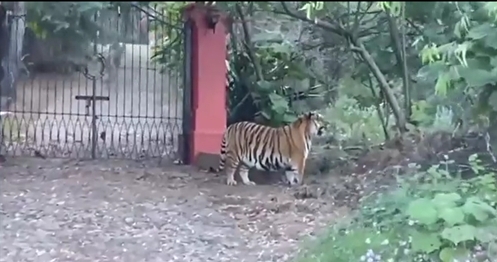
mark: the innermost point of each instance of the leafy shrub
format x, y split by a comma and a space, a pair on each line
354, 123
430, 216
441, 119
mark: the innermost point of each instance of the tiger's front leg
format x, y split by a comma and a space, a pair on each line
244, 174
301, 169
295, 175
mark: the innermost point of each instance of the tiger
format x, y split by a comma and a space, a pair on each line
251, 145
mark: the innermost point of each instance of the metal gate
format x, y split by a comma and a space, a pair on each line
116, 92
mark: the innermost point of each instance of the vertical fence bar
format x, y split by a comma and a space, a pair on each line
4, 49
94, 136
187, 90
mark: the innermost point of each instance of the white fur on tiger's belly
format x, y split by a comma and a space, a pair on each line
257, 165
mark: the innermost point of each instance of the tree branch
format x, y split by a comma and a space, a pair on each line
251, 53
399, 51
154, 16
358, 47
339, 30
356, 18
384, 86
318, 22
394, 37
248, 43
378, 107
405, 69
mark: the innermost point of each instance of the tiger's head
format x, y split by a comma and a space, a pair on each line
314, 123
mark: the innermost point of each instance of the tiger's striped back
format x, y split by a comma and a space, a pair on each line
248, 145
262, 147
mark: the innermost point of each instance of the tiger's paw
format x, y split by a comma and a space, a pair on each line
250, 183
231, 182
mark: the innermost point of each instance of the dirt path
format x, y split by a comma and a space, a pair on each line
60, 210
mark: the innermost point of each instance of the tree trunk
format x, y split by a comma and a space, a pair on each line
11, 63
4, 45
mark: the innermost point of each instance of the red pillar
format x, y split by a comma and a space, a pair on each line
208, 81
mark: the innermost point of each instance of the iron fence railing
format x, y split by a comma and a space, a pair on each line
115, 96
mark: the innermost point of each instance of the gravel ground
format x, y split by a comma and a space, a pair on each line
61, 210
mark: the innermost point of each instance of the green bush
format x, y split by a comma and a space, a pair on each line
430, 216
353, 123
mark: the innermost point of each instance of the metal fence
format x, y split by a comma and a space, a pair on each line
116, 94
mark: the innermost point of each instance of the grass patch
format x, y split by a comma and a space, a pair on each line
430, 216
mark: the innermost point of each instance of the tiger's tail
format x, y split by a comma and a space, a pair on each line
222, 156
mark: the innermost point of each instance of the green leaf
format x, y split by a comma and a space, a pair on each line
451, 215
492, 249
266, 114
443, 83
425, 242
429, 54
487, 234
281, 48
61, 25
477, 77
460, 52
289, 118
472, 157
480, 210
264, 85
279, 103
449, 254
458, 234
423, 211
480, 31
442, 200
266, 37
454, 72
492, 100
491, 39
493, 61
307, 8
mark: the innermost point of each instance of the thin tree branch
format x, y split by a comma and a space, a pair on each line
399, 51
318, 22
384, 86
248, 43
378, 107
155, 17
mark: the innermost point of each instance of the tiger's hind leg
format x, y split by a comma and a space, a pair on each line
231, 176
230, 170
244, 174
